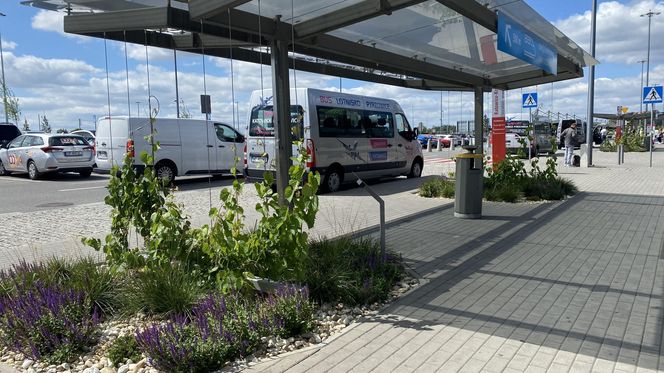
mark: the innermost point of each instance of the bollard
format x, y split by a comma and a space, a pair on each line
429, 145
440, 145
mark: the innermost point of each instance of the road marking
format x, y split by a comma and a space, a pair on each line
76, 189
9, 178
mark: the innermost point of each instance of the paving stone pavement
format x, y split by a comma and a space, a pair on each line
572, 286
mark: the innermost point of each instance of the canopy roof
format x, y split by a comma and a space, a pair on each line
434, 44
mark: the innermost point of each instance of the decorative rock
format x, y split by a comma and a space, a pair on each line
317, 339
139, 365
299, 344
89, 363
27, 363
123, 369
108, 370
30, 370
91, 370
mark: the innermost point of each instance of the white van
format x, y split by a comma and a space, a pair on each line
343, 134
187, 146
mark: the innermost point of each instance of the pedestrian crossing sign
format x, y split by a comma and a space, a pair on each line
652, 95
529, 100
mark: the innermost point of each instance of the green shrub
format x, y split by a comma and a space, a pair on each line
509, 193
224, 252
437, 187
608, 146
164, 290
351, 271
567, 186
123, 348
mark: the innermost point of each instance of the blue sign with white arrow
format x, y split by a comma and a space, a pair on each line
529, 100
515, 40
652, 95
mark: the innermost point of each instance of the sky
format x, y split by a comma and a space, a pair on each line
64, 77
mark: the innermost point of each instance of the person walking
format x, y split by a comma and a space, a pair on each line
569, 136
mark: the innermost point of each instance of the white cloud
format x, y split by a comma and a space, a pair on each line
622, 33
51, 21
8, 45
137, 52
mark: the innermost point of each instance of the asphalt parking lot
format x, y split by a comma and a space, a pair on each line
20, 194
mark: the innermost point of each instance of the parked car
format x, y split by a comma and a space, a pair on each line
8, 132
424, 140
446, 140
37, 154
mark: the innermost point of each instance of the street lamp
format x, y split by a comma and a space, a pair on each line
649, 14
4, 83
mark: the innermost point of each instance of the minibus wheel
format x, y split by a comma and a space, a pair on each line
415, 169
333, 179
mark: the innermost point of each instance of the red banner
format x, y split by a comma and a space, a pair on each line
498, 126
497, 139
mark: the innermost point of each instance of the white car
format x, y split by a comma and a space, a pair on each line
40, 153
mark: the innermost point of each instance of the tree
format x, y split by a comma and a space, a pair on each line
45, 127
26, 125
11, 107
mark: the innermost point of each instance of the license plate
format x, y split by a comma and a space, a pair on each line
258, 159
73, 154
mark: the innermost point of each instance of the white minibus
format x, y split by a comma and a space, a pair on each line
187, 146
344, 134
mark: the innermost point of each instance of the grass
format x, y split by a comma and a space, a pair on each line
351, 271
437, 187
164, 291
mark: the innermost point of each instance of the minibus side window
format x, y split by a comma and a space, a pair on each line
378, 124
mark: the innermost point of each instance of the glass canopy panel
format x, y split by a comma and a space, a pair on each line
86, 6
302, 9
436, 34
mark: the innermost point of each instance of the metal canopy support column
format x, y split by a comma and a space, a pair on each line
479, 119
282, 116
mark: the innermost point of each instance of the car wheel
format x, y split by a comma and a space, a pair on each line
3, 170
415, 170
85, 173
333, 179
165, 172
33, 172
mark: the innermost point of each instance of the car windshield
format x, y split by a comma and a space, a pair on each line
66, 141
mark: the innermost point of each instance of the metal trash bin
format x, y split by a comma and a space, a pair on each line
468, 190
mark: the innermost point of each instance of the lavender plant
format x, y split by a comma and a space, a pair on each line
222, 328
47, 322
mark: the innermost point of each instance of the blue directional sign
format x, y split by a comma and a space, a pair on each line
515, 40
652, 95
529, 100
